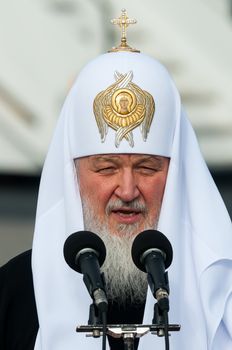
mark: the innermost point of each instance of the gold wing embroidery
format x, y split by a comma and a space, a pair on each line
105, 113
150, 110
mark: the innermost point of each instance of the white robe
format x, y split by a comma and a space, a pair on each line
193, 217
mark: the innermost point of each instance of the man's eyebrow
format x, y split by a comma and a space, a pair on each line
104, 158
151, 158
139, 158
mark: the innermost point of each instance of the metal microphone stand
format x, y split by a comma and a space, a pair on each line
127, 331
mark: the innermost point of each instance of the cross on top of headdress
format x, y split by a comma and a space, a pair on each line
123, 22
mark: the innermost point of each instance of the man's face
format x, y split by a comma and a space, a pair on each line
124, 191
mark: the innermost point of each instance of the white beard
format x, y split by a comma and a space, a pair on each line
124, 282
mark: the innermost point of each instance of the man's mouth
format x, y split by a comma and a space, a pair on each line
126, 215
126, 212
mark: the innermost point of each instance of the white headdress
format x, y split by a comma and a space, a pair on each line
192, 216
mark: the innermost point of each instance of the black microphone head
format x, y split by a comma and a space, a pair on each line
147, 240
82, 240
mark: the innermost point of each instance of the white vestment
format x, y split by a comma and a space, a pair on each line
193, 217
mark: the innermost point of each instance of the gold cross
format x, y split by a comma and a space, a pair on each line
123, 22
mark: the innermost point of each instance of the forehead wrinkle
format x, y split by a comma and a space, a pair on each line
104, 157
134, 159
95, 160
118, 156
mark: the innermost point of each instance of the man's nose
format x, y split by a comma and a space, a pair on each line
127, 188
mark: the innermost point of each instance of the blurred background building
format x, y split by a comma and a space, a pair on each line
44, 44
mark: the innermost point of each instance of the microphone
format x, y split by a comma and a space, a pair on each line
85, 252
152, 253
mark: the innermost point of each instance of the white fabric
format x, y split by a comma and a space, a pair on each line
193, 217
99, 75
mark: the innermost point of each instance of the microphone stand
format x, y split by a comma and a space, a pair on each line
95, 321
160, 325
161, 307
128, 341
127, 331
159, 319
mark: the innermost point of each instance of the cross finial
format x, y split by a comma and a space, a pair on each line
123, 22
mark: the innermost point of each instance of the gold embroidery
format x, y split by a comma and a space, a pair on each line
123, 106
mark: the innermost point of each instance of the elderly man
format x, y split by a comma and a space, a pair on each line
123, 159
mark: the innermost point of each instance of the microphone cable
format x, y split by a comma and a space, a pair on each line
104, 329
166, 335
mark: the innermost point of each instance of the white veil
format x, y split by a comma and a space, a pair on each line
192, 216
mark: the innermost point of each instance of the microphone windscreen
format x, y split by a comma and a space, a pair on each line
81, 240
147, 240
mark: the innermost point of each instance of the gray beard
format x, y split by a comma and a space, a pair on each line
124, 282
